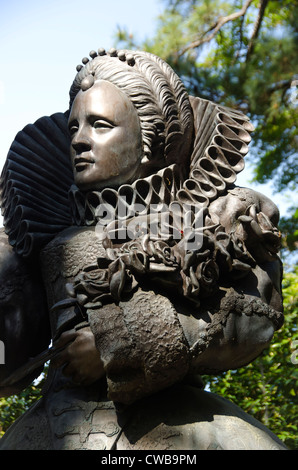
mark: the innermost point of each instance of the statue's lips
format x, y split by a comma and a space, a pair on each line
81, 163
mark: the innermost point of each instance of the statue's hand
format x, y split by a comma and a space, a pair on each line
80, 359
260, 235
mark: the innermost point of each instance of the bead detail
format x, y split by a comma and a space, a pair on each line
121, 55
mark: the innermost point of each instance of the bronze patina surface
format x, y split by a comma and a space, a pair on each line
134, 264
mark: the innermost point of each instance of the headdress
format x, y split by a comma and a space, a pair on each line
156, 92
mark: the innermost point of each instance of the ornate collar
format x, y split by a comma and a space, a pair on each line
37, 175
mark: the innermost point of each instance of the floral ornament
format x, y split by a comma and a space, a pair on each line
91, 287
260, 237
201, 280
219, 257
114, 275
230, 253
197, 270
101, 284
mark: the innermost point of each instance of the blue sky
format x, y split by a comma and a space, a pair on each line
43, 41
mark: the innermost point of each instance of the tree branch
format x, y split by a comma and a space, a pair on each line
262, 385
282, 84
257, 26
215, 28
236, 58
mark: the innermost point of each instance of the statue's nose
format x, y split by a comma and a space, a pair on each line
81, 147
80, 141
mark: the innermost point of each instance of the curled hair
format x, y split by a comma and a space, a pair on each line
157, 94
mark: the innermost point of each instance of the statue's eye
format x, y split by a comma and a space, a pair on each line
102, 124
73, 128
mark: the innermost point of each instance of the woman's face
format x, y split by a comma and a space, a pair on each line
106, 140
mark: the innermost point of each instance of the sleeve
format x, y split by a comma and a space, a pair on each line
142, 345
24, 326
239, 322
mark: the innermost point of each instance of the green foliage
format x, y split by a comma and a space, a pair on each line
268, 387
15, 406
289, 228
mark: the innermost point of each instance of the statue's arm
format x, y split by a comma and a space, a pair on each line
24, 328
233, 330
237, 326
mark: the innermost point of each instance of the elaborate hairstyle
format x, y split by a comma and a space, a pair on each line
157, 93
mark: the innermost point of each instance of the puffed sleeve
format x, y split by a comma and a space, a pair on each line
238, 323
142, 345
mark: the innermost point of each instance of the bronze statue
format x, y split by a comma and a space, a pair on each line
142, 262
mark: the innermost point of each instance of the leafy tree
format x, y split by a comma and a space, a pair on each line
243, 54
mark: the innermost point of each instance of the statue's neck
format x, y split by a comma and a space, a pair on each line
128, 200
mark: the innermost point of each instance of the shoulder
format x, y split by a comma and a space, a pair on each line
237, 202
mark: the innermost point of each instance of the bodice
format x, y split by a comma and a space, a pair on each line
69, 254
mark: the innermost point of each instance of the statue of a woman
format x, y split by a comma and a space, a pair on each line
143, 263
